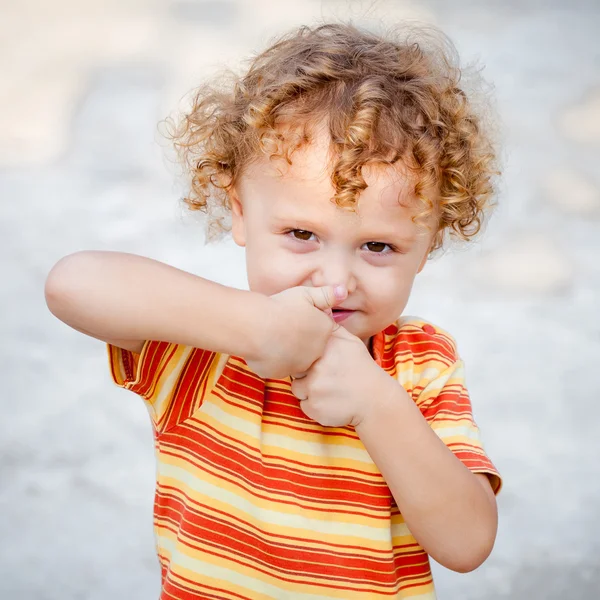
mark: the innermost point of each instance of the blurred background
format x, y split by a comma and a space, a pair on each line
82, 166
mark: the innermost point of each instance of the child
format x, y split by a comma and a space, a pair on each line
310, 442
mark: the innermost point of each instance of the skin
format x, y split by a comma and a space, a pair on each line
294, 235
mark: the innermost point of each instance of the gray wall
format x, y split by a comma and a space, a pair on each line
83, 86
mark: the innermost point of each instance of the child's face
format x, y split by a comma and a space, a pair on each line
295, 235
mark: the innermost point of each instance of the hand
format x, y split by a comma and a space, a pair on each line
343, 385
295, 329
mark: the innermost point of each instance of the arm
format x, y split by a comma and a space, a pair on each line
450, 511
125, 299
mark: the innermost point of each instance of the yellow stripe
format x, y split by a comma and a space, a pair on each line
348, 529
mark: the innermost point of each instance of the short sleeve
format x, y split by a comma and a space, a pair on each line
171, 379
444, 402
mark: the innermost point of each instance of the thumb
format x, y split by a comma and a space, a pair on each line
327, 296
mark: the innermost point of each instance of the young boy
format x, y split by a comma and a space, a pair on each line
310, 442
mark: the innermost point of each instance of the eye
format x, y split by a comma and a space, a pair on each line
301, 234
378, 247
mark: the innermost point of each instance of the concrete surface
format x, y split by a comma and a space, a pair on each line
83, 86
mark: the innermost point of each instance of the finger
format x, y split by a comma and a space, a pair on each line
298, 376
327, 296
329, 313
299, 389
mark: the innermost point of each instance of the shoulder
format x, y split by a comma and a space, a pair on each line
424, 340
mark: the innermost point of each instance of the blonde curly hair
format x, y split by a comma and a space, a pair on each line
385, 98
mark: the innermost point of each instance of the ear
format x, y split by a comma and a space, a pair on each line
426, 255
436, 238
423, 261
238, 228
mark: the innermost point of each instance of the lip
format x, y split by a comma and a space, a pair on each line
341, 315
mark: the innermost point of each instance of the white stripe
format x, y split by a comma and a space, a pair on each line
452, 432
313, 449
235, 577
277, 519
168, 385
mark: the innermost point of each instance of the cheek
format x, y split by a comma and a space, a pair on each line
271, 271
389, 288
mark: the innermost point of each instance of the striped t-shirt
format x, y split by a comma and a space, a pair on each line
256, 501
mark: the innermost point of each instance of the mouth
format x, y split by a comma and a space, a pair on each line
341, 314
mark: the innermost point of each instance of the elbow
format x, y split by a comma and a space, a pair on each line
465, 564
59, 281
55, 285
475, 547
469, 557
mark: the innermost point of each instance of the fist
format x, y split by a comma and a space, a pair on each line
339, 388
295, 328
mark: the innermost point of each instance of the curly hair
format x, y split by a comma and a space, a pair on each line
385, 99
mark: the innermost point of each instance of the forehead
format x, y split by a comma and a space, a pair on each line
303, 190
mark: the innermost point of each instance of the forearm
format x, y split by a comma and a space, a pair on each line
450, 512
124, 296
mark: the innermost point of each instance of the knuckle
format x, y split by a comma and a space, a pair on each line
325, 297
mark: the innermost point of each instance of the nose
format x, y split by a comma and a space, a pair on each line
333, 268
